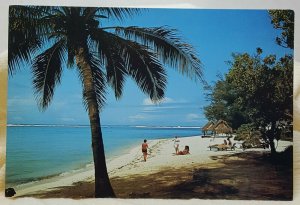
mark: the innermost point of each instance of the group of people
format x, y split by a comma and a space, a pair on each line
176, 146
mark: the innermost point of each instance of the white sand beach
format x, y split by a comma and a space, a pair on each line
161, 157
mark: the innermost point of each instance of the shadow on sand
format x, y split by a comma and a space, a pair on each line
251, 176
248, 175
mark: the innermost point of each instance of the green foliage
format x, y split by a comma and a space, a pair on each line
263, 87
224, 104
50, 38
284, 20
256, 90
250, 136
53, 38
244, 132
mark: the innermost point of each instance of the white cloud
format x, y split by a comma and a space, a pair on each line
192, 117
18, 101
142, 117
150, 109
166, 104
147, 101
137, 117
166, 100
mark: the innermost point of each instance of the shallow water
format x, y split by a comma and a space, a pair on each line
37, 152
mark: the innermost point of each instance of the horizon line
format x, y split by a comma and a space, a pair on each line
87, 125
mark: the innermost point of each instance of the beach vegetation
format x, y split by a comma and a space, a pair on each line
244, 131
284, 20
223, 104
257, 91
50, 39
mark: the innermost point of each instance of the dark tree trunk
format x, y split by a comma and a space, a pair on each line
271, 137
103, 187
272, 146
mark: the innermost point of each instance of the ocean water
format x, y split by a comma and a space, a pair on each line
37, 152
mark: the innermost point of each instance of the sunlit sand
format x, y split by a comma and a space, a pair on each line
161, 157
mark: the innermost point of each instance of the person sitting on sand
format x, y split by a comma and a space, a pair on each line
225, 142
185, 151
176, 144
144, 149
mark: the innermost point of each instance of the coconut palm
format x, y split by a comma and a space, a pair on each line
52, 38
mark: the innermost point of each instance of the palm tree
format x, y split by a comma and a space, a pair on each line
52, 38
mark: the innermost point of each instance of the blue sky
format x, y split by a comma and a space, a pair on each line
215, 34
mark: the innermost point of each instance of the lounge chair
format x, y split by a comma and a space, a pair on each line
213, 146
232, 147
222, 147
218, 147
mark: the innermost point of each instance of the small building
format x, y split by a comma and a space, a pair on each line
209, 127
222, 127
212, 128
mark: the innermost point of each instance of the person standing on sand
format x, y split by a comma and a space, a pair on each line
229, 141
144, 149
176, 144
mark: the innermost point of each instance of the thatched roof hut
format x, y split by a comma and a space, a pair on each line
208, 127
222, 127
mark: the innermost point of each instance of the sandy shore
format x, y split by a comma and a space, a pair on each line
162, 162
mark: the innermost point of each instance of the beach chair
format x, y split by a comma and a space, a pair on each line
222, 147
217, 146
213, 146
232, 147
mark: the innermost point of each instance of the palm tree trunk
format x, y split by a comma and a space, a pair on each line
103, 187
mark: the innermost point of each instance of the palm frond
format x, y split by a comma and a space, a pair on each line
27, 30
169, 47
47, 69
146, 70
118, 13
33, 12
141, 64
90, 13
21, 49
115, 72
98, 82
111, 57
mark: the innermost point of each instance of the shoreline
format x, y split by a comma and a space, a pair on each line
83, 174
115, 160
161, 158
38, 163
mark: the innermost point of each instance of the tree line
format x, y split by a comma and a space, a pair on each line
257, 92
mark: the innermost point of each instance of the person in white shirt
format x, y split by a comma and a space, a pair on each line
176, 144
